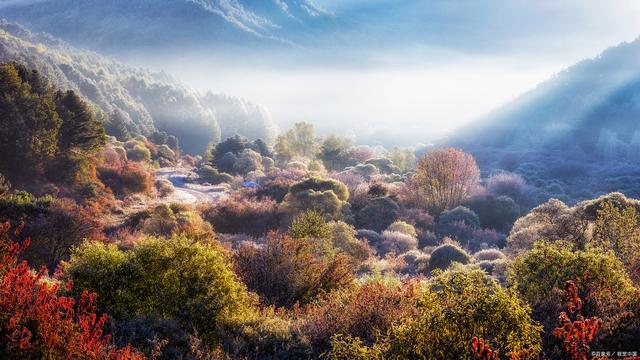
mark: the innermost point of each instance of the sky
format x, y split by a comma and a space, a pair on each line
406, 69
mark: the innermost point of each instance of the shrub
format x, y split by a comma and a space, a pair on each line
403, 227
176, 278
321, 185
365, 311
309, 225
445, 255
456, 306
508, 184
241, 215
378, 214
343, 238
285, 271
276, 189
211, 175
323, 202
164, 187
248, 161
385, 166
127, 178
540, 274
486, 238
263, 334
372, 237
165, 152
489, 255
397, 242
551, 221
36, 322
54, 226
5, 186
496, 212
139, 152
459, 214
415, 262
165, 220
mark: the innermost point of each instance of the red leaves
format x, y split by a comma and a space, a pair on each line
482, 349
576, 335
35, 321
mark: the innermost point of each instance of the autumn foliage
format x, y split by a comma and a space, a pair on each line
35, 322
577, 334
444, 179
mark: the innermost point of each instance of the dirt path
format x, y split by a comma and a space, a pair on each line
187, 192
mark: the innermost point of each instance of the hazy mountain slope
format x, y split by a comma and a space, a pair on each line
594, 105
574, 136
147, 101
117, 25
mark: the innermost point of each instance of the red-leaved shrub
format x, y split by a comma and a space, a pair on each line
35, 322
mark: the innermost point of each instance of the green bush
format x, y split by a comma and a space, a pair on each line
539, 276
139, 152
456, 306
445, 255
496, 212
211, 175
176, 278
321, 185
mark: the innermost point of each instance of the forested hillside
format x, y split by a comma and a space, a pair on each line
144, 101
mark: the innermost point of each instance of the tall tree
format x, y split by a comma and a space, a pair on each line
80, 129
29, 124
444, 178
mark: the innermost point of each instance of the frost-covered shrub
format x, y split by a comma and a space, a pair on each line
211, 175
488, 255
165, 151
445, 255
486, 238
496, 212
297, 165
507, 184
127, 177
325, 196
403, 227
164, 187
241, 215
138, 152
284, 271
397, 242
343, 237
385, 166
378, 214
459, 214
416, 262
5, 185
247, 161
373, 238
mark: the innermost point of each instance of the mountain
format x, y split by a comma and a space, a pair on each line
594, 105
146, 101
121, 25
575, 136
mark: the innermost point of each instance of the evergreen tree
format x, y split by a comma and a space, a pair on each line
80, 129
